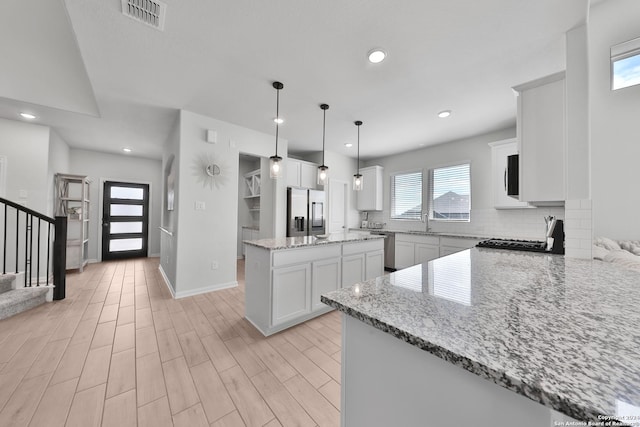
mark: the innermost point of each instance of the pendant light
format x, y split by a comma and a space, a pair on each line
323, 171
357, 178
275, 162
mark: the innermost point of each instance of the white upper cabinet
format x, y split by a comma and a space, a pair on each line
370, 197
541, 133
301, 174
500, 150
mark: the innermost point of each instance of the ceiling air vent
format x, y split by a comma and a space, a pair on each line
150, 12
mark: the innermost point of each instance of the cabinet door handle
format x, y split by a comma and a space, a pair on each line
505, 179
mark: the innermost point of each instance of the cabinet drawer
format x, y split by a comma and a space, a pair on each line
301, 255
418, 238
458, 242
361, 247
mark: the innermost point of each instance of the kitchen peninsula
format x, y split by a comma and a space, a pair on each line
533, 334
285, 277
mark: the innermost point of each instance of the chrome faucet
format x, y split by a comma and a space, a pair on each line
425, 218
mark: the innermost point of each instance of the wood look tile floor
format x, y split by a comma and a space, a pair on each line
119, 351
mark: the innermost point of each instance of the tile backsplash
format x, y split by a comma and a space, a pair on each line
508, 223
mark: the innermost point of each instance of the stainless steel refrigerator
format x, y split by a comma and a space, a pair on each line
305, 212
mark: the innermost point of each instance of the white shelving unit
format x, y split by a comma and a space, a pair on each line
73, 201
252, 193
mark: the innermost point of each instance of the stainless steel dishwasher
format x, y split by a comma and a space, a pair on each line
389, 249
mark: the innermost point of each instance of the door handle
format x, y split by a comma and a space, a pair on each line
505, 179
105, 224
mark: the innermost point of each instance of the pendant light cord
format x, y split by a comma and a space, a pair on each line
324, 120
358, 161
277, 117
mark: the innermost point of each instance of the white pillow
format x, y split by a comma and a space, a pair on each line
624, 259
605, 242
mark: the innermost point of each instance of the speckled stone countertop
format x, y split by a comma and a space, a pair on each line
563, 332
297, 242
423, 233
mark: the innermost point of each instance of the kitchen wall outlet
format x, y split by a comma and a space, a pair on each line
212, 136
214, 265
232, 143
200, 205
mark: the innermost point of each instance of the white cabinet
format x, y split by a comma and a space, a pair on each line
405, 254
362, 261
426, 252
301, 174
451, 245
412, 249
326, 277
541, 134
370, 197
374, 265
291, 293
283, 287
353, 269
500, 150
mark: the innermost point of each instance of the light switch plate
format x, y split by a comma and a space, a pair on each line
200, 205
212, 136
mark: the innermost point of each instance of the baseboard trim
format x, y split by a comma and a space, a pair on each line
205, 289
154, 256
166, 281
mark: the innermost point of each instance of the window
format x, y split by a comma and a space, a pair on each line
625, 64
406, 195
450, 193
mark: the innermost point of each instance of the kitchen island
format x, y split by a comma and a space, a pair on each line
542, 340
285, 277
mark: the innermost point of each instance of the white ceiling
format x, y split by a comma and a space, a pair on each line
219, 58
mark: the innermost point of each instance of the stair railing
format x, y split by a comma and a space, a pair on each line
21, 226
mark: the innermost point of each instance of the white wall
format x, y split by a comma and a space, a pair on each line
615, 134
26, 147
168, 237
58, 163
485, 220
207, 236
102, 167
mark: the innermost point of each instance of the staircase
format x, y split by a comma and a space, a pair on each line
14, 301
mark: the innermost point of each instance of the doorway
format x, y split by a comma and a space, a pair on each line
125, 220
338, 203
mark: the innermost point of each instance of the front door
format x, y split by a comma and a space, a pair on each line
125, 220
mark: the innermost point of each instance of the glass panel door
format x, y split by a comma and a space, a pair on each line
125, 220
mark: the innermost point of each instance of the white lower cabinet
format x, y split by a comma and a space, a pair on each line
326, 277
291, 293
283, 287
405, 254
353, 269
425, 253
451, 245
412, 249
374, 265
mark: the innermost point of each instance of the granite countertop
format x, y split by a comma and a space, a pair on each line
423, 233
302, 241
560, 331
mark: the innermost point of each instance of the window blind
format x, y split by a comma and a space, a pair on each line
406, 195
450, 193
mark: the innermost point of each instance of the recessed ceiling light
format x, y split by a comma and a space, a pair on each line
278, 120
348, 144
376, 56
127, 150
27, 116
444, 114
